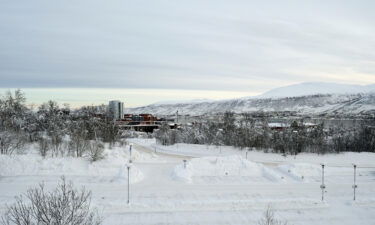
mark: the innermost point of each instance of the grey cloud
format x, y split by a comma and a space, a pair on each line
216, 45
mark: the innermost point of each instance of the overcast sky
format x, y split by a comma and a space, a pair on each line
219, 49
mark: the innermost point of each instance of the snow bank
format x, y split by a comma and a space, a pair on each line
122, 177
35, 165
226, 166
301, 171
363, 159
111, 167
237, 166
121, 154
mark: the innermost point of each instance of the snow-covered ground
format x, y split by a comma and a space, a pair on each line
217, 185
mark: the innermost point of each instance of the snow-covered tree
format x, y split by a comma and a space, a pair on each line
12, 111
53, 121
10, 142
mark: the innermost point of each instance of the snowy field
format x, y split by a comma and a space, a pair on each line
217, 185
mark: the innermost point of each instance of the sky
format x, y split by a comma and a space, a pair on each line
91, 51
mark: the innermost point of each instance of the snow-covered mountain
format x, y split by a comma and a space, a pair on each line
182, 101
313, 88
305, 98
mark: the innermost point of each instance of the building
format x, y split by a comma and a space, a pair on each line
148, 118
278, 126
116, 110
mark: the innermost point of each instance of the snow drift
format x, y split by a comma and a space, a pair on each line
226, 166
112, 167
122, 177
302, 171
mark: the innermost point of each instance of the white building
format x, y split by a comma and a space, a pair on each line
116, 109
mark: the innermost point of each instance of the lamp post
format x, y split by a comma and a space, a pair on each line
130, 151
322, 186
128, 167
354, 185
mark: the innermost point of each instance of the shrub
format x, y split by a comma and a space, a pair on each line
44, 146
96, 150
64, 206
269, 218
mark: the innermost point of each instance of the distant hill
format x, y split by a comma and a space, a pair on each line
313, 88
305, 98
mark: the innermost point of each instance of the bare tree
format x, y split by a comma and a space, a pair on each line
162, 135
63, 206
10, 141
78, 139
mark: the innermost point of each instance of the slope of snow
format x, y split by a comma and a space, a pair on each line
122, 177
364, 159
221, 167
303, 98
302, 171
315, 104
170, 102
113, 167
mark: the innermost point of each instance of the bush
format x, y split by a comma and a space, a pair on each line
44, 146
64, 206
269, 218
96, 151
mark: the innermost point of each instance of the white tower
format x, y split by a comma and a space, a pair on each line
116, 109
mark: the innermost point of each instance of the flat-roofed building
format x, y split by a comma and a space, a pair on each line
116, 109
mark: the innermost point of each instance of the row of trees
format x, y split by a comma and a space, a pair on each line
254, 132
57, 130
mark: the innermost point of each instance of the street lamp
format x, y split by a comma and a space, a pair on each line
128, 167
130, 151
354, 185
322, 186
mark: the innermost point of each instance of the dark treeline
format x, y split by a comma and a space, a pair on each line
248, 131
58, 131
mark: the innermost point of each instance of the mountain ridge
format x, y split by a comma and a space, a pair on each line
356, 99
312, 88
